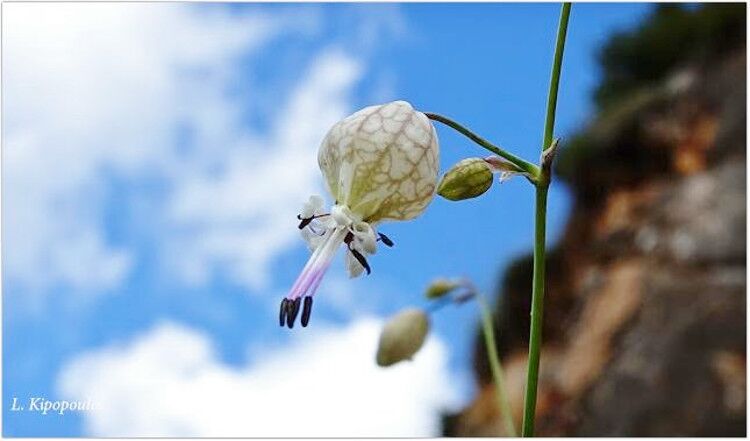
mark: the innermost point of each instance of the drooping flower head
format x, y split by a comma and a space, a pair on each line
379, 164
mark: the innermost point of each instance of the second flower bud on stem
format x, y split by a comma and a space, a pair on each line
472, 177
469, 178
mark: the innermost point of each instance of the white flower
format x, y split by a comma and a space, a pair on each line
379, 164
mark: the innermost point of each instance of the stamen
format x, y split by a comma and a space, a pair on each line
282, 312
361, 259
306, 221
317, 216
306, 311
299, 283
289, 308
310, 279
386, 240
317, 279
315, 231
311, 276
293, 311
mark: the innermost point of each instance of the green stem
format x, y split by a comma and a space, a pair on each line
496, 367
524, 165
537, 294
537, 306
554, 82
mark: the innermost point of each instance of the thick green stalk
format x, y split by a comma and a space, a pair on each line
537, 307
496, 368
540, 221
524, 165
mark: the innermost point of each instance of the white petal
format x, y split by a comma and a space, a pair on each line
313, 207
353, 266
366, 239
313, 240
316, 201
342, 215
369, 244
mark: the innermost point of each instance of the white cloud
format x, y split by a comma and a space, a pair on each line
241, 218
94, 91
169, 382
91, 89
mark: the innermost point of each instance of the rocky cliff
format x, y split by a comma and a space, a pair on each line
645, 322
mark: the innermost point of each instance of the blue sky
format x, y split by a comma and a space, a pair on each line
150, 180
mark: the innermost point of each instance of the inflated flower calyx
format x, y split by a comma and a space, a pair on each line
469, 178
402, 336
440, 287
379, 164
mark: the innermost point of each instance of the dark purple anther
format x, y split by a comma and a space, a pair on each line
306, 311
386, 240
361, 259
282, 312
293, 311
304, 222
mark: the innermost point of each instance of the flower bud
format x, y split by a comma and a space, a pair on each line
402, 336
440, 287
467, 179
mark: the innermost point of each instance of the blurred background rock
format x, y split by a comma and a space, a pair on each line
645, 321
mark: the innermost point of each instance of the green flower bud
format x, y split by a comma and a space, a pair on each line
467, 179
440, 287
402, 336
